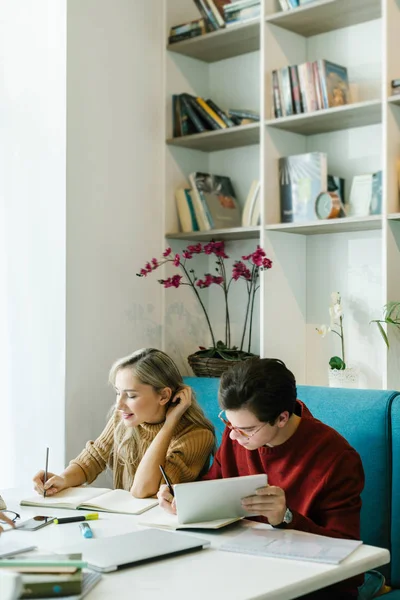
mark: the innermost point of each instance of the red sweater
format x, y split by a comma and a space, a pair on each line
321, 474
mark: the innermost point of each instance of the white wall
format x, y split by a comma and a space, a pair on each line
32, 230
114, 209
81, 145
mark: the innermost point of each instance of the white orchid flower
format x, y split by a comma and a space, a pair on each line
323, 330
335, 298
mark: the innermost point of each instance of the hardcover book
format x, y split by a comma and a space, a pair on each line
186, 212
218, 199
334, 84
302, 178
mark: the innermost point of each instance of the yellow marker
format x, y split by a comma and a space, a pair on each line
89, 517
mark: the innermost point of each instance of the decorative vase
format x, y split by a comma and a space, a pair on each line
343, 378
211, 367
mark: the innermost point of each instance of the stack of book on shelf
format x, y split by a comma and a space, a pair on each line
192, 114
307, 192
308, 87
241, 11
289, 4
48, 576
209, 204
215, 15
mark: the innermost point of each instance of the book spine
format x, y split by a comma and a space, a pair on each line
244, 114
311, 92
301, 70
180, 37
220, 113
188, 194
217, 16
276, 95
204, 13
187, 126
192, 114
211, 114
293, 3
287, 92
176, 113
322, 82
243, 14
284, 5
281, 92
294, 79
285, 190
201, 216
320, 103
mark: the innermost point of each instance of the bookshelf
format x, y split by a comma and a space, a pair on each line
358, 256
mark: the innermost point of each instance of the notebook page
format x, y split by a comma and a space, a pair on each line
292, 544
69, 498
120, 501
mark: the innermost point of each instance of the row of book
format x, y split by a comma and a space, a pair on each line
290, 4
308, 193
395, 86
308, 87
193, 114
211, 203
215, 15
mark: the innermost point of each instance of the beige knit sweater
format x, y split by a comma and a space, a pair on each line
187, 456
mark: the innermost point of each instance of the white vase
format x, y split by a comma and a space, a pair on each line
343, 378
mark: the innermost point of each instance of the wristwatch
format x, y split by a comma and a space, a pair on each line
287, 518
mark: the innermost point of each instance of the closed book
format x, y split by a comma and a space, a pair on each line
294, 82
244, 114
200, 209
239, 4
176, 116
216, 13
51, 586
160, 519
278, 111
336, 184
207, 15
187, 125
186, 105
243, 14
285, 87
311, 90
302, 178
183, 27
211, 114
204, 114
45, 563
250, 213
186, 212
334, 84
284, 5
220, 113
317, 83
220, 5
180, 37
218, 198
376, 199
293, 3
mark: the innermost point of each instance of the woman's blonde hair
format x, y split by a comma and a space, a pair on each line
151, 367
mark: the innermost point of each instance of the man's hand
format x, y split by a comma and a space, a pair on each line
5, 520
166, 500
269, 501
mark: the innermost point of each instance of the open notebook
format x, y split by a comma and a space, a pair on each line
157, 517
88, 498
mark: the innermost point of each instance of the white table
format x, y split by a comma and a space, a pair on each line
203, 575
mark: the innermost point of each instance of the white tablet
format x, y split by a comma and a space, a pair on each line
215, 499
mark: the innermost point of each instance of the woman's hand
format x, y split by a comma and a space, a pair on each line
166, 500
53, 485
179, 404
5, 520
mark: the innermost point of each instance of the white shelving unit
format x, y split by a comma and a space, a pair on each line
358, 256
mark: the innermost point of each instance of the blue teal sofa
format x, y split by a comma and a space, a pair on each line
370, 421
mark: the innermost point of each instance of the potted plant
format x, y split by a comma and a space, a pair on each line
339, 374
214, 360
391, 317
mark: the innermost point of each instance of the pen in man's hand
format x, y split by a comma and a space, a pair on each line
45, 472
167, 481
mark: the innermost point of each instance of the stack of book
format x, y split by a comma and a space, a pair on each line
290, 4
241, 11
395, 87
308, 87
48, 576
215, 15
192, 114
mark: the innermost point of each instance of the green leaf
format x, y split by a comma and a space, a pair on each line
337, 363
383, 333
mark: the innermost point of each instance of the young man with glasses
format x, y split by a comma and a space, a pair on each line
315, 477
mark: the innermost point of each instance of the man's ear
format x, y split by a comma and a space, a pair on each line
283, 419
165, 396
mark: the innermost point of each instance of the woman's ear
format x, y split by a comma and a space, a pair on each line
165, 396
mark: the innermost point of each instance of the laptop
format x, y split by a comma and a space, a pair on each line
131, 549
215, 499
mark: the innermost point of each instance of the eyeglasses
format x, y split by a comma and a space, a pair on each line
11, 515
237, 429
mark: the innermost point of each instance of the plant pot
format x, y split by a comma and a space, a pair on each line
211, 367
344, 378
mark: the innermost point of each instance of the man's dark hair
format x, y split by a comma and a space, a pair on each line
262, 385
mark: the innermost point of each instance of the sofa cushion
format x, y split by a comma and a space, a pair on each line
395, 512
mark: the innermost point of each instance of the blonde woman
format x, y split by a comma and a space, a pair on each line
156, 421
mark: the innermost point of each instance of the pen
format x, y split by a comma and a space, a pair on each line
90, 517
45, 471
167, 481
